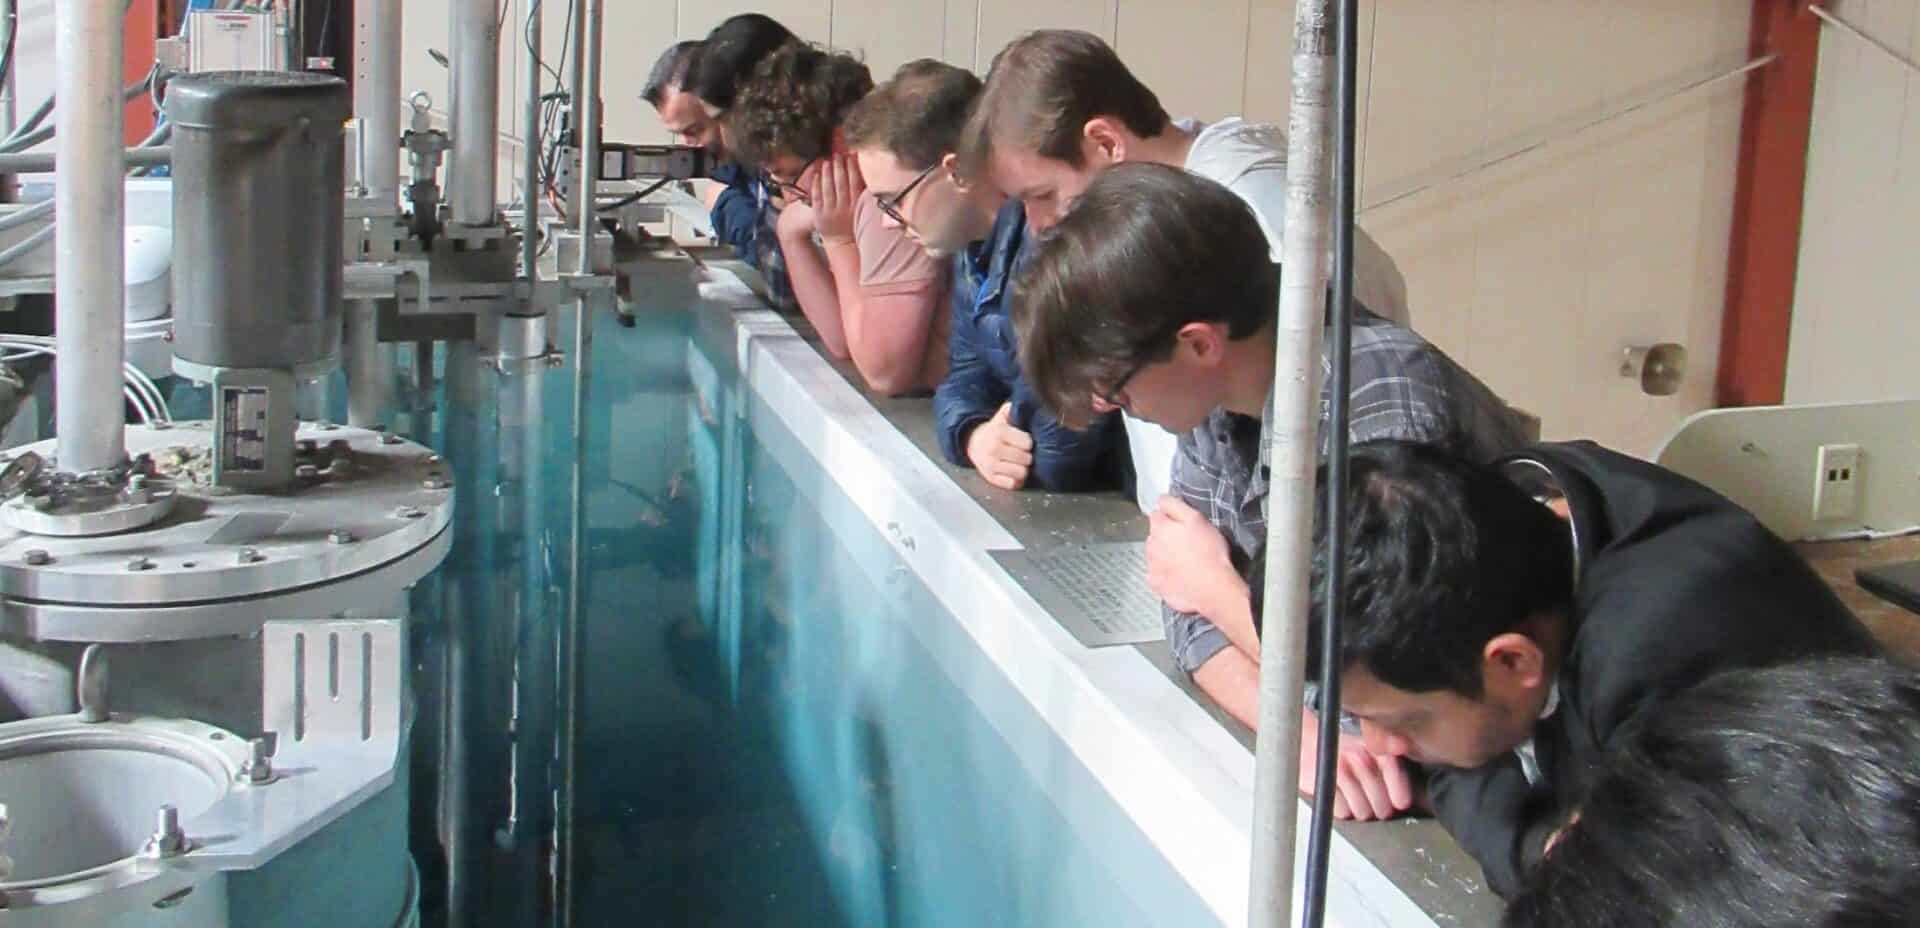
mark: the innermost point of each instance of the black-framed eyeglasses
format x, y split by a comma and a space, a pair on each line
792, 188
1115, 395
890, 204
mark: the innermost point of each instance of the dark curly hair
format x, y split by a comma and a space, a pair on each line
793, 101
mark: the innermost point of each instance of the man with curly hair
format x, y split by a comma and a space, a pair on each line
871, 293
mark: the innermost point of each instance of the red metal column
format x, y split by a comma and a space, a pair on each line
142, 28
1765, 254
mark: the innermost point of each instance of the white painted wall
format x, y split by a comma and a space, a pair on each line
1856, 311
1535, 273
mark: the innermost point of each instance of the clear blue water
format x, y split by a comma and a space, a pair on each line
779, 725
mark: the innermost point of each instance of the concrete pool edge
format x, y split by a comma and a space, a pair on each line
1183, 780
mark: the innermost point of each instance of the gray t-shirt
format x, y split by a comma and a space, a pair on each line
1250, 159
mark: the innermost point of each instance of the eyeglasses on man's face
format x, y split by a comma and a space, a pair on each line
890, 204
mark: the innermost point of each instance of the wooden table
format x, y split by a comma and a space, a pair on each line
1836, 561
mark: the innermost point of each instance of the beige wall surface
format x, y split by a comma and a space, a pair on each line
1536, 272
1856, 307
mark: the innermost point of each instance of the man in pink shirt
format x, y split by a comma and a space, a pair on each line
872, 294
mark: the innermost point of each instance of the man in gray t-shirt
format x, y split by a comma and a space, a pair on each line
1044, 155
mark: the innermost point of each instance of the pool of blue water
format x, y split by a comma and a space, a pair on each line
777, 723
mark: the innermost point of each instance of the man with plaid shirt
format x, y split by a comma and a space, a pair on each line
1156, 295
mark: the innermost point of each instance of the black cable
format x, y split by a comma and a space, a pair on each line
527, 39
633, 198
326, 32
1320, 843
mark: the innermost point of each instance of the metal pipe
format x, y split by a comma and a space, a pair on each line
587, 106
89, 257
376, 87
1340, 330
40, 162
368, 373
291, 30
1295, 450
530, 179
475, 120
590, 118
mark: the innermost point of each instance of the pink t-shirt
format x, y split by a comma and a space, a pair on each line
890, 262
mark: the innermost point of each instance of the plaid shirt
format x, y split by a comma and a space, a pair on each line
1402, 387
770, 260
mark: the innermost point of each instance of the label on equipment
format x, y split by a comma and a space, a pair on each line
244, 429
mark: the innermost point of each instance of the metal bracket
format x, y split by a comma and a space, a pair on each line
332, 694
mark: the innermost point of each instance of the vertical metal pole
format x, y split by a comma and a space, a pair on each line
475, 122
89, 250
1340, 329
9, 101
291, 30
369, 372
376, 89
1294, 450
530, 214
587, 99
587, 107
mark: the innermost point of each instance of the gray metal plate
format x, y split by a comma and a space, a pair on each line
221, 546
1096, 591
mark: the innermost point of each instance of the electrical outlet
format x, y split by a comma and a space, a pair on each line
1836, 482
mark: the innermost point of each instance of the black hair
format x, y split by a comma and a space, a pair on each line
671, 70
1781, 796
1147, 248
793, 103
1442, 555
732, 50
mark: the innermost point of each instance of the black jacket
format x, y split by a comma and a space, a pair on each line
1672, 583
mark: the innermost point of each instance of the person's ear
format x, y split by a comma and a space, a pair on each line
951, 165
1203, 343
1106, 141
1515, 658
838, 144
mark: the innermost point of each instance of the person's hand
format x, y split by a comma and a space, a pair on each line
1001, 452
795, 224
1368, 786
1187, 562
835, 189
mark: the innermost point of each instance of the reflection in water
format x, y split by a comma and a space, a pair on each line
766, 736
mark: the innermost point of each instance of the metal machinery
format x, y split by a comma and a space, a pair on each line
247, 577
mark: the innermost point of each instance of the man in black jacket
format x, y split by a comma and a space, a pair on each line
1504, 621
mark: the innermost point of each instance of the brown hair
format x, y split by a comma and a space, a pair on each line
1146, 250
794, 101
1042, 90
918, 114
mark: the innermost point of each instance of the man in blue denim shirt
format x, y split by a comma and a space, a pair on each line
739, 202
905, 134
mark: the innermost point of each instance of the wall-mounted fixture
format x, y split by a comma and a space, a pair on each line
1659, 368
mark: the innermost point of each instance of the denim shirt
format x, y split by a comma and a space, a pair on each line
985, 369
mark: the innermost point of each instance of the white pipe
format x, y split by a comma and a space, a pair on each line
376, 87
471, 180
89, 253
1295, 450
